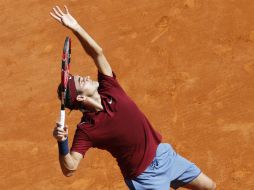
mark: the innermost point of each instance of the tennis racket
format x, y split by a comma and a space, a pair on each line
66, 58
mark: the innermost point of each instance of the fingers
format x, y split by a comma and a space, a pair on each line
60, 137
57, 13
60, 133
66, 9
59, 125
60, 11
56, 17
59, 130
66, 128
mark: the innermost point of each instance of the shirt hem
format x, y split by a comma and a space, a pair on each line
139, 171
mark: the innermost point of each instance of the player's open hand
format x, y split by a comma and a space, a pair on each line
64, 18
59, 133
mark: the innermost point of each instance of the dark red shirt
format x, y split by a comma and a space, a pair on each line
121, 128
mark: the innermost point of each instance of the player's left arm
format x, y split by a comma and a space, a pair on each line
87, 42
93, 50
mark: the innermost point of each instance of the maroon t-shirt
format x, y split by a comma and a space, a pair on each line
121, 128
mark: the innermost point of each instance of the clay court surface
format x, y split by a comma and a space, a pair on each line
188, 64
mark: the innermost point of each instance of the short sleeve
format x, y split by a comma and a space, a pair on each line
81, 142
106, 81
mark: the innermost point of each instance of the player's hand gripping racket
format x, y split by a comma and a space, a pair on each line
66, 58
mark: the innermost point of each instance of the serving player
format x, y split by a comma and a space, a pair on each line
112, 121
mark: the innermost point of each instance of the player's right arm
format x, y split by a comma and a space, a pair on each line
87, 42
69, 161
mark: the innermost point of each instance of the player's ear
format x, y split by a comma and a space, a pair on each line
81, 98
89, 102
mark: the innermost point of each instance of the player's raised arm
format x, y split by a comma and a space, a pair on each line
89, 45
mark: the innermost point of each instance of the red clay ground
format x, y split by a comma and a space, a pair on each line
188, 64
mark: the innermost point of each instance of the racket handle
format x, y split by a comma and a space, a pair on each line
62, 118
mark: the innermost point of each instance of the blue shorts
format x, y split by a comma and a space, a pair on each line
168, 169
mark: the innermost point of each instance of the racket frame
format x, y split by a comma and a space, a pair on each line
66, 58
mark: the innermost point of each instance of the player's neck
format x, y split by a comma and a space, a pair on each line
97, 98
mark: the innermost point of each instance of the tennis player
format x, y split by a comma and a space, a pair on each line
112, 121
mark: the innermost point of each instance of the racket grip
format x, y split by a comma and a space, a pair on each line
62, 118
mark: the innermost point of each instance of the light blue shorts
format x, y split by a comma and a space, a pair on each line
168, 169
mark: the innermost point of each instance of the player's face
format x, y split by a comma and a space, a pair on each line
85, 86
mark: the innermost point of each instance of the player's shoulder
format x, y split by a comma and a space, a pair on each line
106, 75
107, 81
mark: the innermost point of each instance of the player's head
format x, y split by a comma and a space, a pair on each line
78, 86
85, 86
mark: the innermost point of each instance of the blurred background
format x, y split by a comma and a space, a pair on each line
188, 64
